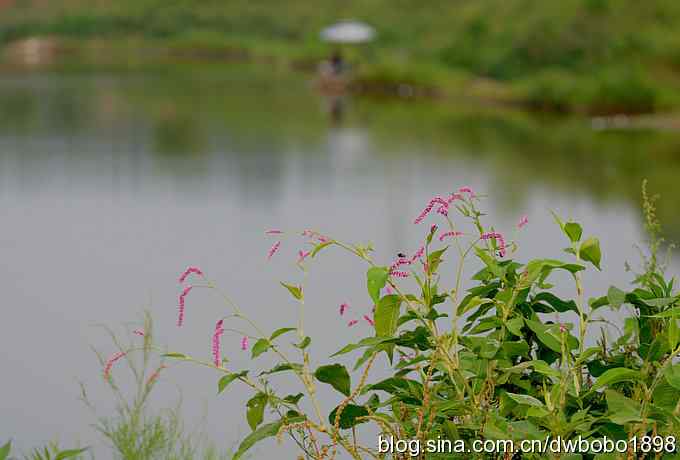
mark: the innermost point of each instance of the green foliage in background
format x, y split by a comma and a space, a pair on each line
594, 55
505, 359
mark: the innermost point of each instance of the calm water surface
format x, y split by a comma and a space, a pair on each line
112, 183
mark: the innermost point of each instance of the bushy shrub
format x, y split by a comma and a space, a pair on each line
505, 359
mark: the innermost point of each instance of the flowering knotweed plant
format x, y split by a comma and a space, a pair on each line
504, 357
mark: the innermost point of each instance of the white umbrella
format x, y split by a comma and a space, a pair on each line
348, 32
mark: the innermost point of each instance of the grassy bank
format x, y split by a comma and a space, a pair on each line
595, 56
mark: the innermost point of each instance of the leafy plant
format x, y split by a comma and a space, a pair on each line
50, 452
505, 358
135, 431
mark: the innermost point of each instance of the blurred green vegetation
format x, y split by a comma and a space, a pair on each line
596, 56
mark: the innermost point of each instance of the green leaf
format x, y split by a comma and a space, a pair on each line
616, 297
280, 332
304, 343
260, 347
622, 409
555, 302
435, 258
227, 379
64, 454
296, 291
573, 231
490, 262
265, 431
4, 450
349, 416
367, 342
540, 269
525, 400
174, 355
590, 252
672, 375
336, 376
515, 325
376, 278
283, 367
670, 313
616, 375
387, 315
471, 303
294, 399
255, 409
544, 336
320, 246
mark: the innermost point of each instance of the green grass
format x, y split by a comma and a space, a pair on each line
573, 55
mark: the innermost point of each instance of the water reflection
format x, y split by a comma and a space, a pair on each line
110, 184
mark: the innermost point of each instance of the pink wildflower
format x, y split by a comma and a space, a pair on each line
109, 364
399, 274
449, 234
443, 208
433, 228
273, 250
388, 290
467, 190
273, 231
188, 272
369, 320
419, 253
152, 378
343, 308
403, 260
244, 343
453, 197
219, 330
352, 323
523, 221
316, 235
139, 332
500, 241
302, 255
563, 328
182, 296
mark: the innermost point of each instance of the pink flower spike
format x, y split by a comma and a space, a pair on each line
500, 241
449, 234
369, 320
302, 255
388, 290
153, 377
274, 231
436, 200
139, 332
523, 221
467, 190
399, 274
182, 296
433, 228
273, 250
109, 364
453, 197
419, 253
188, 272
352, 323
244, 343
343, 308
219, 330
424, 213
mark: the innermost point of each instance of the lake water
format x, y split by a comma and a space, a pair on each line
112, 183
